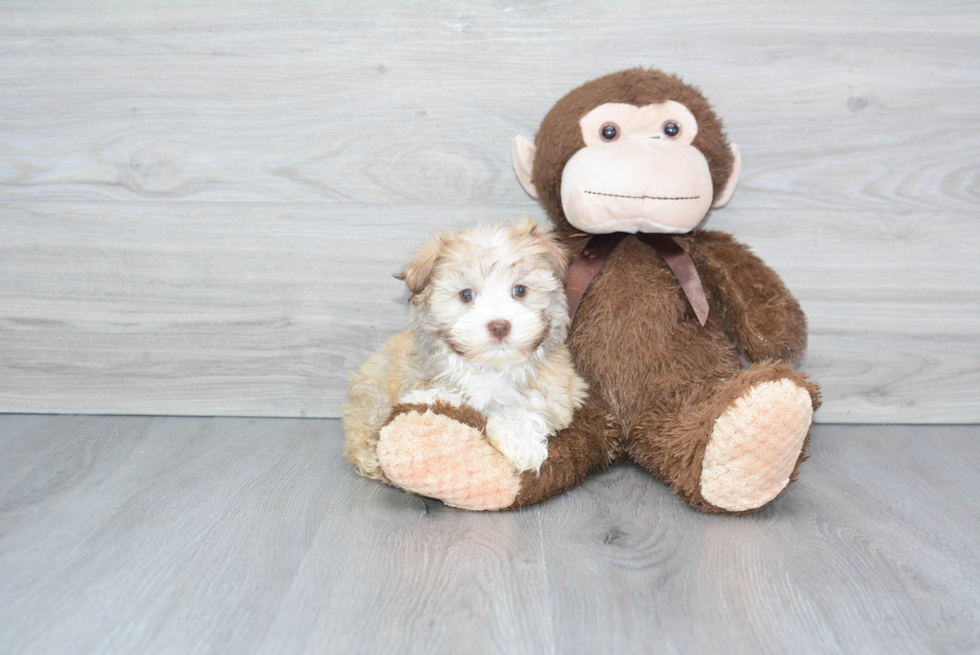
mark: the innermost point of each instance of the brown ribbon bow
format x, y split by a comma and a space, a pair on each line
600, 247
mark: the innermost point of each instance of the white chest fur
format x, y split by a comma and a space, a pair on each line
488, 389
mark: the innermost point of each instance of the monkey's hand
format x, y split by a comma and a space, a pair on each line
441, 451
759, 313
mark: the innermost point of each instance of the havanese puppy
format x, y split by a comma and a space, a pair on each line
487, 328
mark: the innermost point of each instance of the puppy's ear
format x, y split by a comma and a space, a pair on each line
555, 254
546, 245
418, 273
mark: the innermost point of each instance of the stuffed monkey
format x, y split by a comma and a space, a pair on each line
627, 166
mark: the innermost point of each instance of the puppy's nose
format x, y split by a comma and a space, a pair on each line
499, 329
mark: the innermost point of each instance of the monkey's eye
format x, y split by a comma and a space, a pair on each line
519, 291
466, 295
671, 129
609, 132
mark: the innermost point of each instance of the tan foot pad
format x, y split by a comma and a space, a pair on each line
754, 446
433, 455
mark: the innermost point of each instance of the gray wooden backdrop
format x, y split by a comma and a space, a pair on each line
201, 204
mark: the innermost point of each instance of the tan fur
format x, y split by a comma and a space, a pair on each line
374, 389
421, 360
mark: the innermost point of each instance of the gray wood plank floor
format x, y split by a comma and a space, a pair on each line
237, 535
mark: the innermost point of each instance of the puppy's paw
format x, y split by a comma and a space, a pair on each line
525, 450
442, 453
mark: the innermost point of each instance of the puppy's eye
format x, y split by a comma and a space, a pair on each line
519, 291
672, 129
609, 132
466, 295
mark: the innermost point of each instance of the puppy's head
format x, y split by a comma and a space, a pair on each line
494, 294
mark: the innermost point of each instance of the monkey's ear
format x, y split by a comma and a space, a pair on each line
522, 152
418, 273
729, 190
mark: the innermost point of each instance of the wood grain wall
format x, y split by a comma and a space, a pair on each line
201, 203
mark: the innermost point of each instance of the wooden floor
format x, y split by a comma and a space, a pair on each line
228, 535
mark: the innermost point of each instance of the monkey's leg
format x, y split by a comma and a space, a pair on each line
731, 445
441, 452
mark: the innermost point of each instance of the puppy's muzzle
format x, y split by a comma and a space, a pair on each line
499, 329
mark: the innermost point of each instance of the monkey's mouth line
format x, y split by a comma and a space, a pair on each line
616, 195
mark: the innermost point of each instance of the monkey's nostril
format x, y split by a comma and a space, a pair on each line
499, 329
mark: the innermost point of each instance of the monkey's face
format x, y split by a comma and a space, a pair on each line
634, 151
638, 171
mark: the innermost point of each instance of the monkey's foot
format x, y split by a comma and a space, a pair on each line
434, 455
755, 445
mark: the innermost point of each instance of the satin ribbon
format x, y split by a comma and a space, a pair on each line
600, 248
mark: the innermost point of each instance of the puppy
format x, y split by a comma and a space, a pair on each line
487, 328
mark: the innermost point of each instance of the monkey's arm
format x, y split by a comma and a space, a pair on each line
758, 311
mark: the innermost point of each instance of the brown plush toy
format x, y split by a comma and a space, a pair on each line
621, 164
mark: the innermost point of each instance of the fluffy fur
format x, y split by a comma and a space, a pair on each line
455, 353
